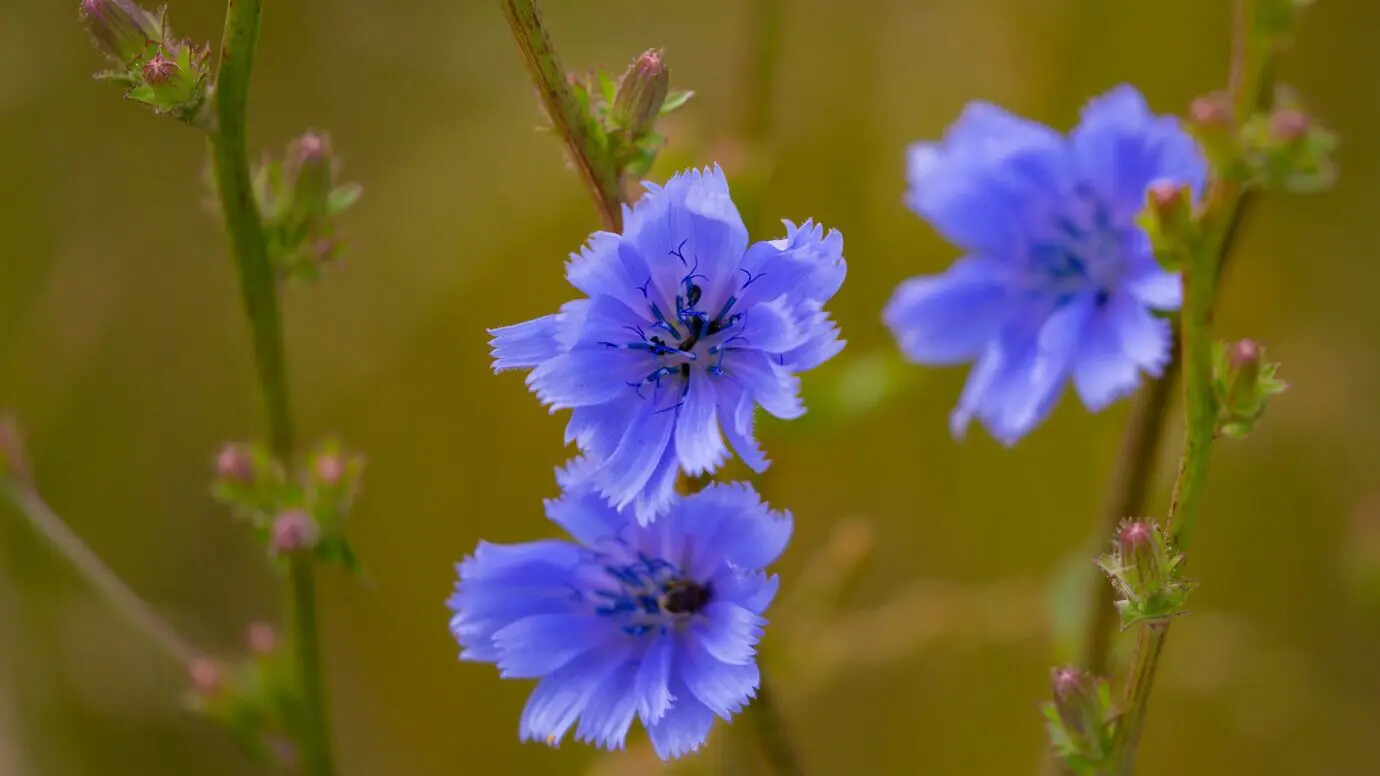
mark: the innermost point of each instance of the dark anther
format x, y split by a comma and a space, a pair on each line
685, 597
678, 251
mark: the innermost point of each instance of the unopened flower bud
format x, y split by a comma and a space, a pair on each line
1140, 548
641, 94
205, 675
1211, 110
1168, 219
233, 464
1243, 381
309, 172
262, 638
294, 531
122, 30
1079, 715
329, 468
1289, 125
1072, 687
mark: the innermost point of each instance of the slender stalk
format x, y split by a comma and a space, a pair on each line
759, 107
767, 721
1251, 88
259, 290
587, 153
87, 563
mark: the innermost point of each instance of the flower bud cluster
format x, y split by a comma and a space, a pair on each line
300, 197
292, 512
623, 114
1081, 720
170, 75
253, 698
1242, 383
1144, 570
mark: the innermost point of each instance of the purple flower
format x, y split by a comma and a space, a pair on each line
1058, 281
654, 622
685, 331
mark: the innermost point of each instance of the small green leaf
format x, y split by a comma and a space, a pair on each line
675, 100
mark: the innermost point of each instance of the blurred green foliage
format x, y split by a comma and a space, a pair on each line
123, 350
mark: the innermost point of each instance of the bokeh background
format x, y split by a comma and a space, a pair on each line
928, 588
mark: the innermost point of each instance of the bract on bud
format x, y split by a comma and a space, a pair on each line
123, 31
641, 94
1243, 382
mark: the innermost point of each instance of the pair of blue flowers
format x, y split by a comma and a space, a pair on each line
654, 611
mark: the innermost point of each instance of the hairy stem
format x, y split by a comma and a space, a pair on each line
1251, 86
68, 544
587, 153
259, 291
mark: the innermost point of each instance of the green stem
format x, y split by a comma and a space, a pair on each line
259, 290
68, 544
587, 153
1251, 86
765, 715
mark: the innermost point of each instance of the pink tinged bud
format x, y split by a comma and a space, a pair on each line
205, 675
1211, 111
1289, 125
233, 464
329, 469
309, 172
1141, 551
641, 94
262, 639
294, 531
121, 29
1076, 703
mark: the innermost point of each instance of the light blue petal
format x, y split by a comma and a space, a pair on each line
699, 444
608, 320
1122, 148
560, 697
1144, 337
1102, 373
771, 386
821, 343
977, 187
624, 473
736, 410
1154, 287
949, 318
536, 646
606, 266
729, 633
734, 525
723, 688
585, 377
653, 680
609, 714
660, 490
770, 327
584, 516
689, 226
598, 429
524, 345
684, 728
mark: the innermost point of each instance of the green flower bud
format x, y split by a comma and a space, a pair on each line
1242, 382
641, 94
123, 31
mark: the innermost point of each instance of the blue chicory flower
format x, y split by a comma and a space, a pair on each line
1058, 281
686, 330
656, 622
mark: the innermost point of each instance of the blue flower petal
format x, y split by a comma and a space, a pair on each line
582, 378
723, 688
609, 714
524, 345
653, 689
684, 728
730, 633
949, 318
560, 697
699, 444
627, 470
586, 518
536, 646
777, 390
736, 410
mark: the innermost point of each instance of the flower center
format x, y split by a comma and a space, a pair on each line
1081, 249
650, 595
691, 334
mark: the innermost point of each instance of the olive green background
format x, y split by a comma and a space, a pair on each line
123, 352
